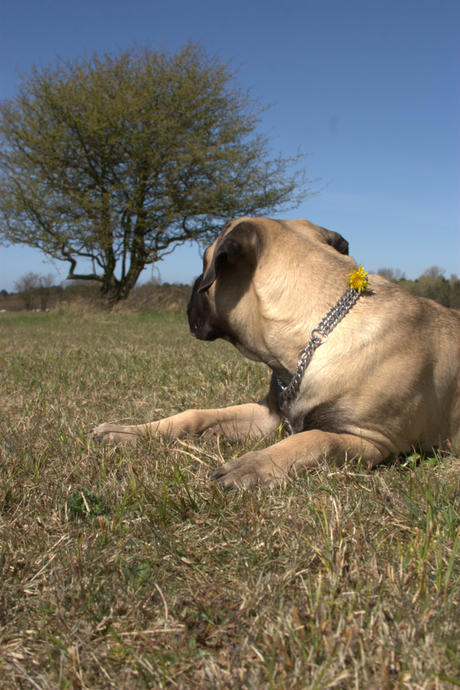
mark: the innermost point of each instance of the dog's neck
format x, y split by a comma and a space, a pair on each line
318, 336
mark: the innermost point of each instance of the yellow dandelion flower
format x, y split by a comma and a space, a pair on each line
358, 280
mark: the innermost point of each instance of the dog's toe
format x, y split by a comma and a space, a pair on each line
99, 435
248, 471
233, 480
114, 435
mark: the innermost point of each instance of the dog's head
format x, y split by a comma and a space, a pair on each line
255, 271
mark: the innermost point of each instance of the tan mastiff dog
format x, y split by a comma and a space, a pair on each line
379, 370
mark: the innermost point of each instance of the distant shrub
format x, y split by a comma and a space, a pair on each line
439, 289
159, 297
431, 284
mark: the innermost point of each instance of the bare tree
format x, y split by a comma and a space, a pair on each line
27, 286
45, 284
391, 274
387, 273
433, 272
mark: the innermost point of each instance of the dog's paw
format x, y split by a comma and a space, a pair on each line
115, 435
253, 469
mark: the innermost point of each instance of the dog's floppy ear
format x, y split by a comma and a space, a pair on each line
242, 240
335, 240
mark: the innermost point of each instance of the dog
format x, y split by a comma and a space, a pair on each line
379, 369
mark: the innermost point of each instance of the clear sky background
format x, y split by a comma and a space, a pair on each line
371, 88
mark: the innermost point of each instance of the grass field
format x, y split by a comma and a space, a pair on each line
129, 569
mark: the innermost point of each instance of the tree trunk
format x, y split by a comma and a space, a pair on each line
114, 291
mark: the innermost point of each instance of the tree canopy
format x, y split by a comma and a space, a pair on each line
116, 159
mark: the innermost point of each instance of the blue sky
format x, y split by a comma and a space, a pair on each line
370, 88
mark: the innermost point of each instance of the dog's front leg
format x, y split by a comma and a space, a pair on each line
254, 420
308, 449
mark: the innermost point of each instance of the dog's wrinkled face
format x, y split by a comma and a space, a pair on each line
203, 321
218, 294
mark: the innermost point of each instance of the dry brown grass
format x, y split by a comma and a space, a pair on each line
129, 569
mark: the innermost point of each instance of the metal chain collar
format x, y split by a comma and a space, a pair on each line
318, 336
